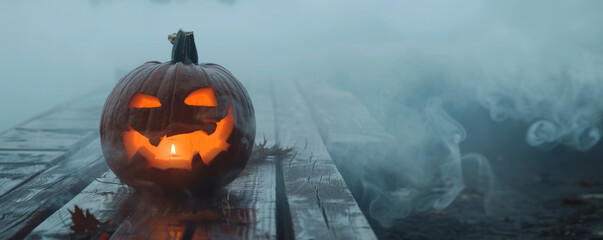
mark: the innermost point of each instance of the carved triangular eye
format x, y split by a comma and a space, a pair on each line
201, 97
141, 100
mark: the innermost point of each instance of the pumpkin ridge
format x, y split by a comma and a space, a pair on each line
127, 82
144, 81
176, 72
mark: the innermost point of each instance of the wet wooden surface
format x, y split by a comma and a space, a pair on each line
33, 139
350, 133
105, 197
43, 167
52, 162
31, 157
319, 201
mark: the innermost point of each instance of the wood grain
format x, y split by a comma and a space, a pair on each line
47, 160
48, 157
341, 118
63, 125
352, 136
25, 207
321, 206
13, 175
105, 198
42, 140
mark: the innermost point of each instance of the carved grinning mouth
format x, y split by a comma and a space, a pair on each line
177, 151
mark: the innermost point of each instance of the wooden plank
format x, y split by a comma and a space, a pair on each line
253, 195
13, 175
63, 125
253, 199
92, 101
320, 205
25, 207
63, 128
85, 106
48, 157
80, 114
42, 140
261, 187
105, 198
340, 118
93, 113
352, 136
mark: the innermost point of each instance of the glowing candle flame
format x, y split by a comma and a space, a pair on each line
173, 150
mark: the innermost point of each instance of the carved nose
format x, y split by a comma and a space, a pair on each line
155, 141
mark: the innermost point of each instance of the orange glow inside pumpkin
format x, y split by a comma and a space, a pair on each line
178, 151
141, 100
201, 97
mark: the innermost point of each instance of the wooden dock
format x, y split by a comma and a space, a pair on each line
53, 162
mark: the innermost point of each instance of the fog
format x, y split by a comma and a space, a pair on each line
410, 63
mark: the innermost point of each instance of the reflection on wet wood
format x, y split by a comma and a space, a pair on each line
154, 218
245, 209
319, 202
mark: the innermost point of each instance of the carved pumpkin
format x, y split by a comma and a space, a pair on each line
178, 125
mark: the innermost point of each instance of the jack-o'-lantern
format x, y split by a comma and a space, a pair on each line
178, 125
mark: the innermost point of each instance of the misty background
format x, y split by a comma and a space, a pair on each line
415, 65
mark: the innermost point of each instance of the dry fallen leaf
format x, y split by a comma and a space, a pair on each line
86, 226
261, 151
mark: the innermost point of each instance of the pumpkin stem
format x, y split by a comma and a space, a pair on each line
184, 49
